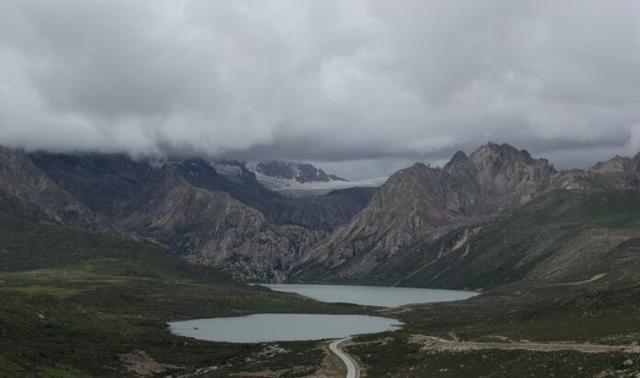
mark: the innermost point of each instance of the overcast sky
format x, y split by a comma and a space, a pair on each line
363, 87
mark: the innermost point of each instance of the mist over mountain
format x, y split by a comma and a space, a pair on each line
369, 85
319, 188
109, 243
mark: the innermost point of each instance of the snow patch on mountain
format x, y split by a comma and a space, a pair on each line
293, 188
303, 179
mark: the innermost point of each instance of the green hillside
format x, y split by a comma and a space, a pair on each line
561, 237
73, 303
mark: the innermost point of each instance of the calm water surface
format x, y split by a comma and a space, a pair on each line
282, 327
372, 295
295, 327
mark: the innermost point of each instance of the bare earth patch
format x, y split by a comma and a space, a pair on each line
141, 364
260, 374
437, 344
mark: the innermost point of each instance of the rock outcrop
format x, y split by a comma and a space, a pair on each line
323, 212
422, 203
618, 173
201, 215
219, 213
21, 179
213, 228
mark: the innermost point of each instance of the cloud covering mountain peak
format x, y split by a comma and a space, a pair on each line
321, 80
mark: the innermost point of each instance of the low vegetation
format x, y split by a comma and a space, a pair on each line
74, 303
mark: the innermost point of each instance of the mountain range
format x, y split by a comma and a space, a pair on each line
495, 217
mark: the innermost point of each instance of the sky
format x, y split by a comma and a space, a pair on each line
361, 87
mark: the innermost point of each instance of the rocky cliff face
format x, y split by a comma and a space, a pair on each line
498, 216
416, 202
619, 173
508, 177
324, 212
213, 228
419, 219
421, 203
201, 215
111, 183
21, 179
560, 238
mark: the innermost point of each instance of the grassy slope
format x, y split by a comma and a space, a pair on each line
593, 313
531, 306
71, 302
402, 358
561, 237
542, 315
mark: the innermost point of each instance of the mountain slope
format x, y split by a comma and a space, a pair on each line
21, 179
548, 227
324, 212
559, 238
402, 233
618, 173
201, 215
75, 303
110, 183
213, 228
507, 177
421, 203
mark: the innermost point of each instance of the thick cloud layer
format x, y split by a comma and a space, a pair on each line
322, 80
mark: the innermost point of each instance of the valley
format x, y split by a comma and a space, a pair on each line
99, 252
95, 302
319, 189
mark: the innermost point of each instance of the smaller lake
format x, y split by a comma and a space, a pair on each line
372, 295
260, 328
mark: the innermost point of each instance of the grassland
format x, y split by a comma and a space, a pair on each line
75, 304
546, 315
572, 237
402, 358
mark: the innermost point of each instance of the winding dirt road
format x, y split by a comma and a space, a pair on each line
353, 368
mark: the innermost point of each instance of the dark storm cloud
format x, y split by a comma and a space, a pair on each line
334, 81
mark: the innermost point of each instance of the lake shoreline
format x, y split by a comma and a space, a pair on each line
378, 296
283, 327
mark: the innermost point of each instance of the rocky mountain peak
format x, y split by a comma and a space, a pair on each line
417, 177
618, 164
617, 173
460, 164
504, 162
411, 170
509, 177
458, 157
492, 153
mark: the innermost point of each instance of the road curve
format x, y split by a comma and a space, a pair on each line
353, 369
